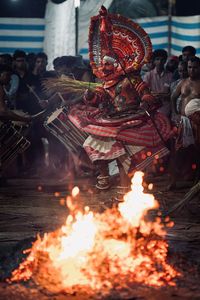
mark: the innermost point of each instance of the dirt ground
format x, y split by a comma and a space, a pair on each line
29, 206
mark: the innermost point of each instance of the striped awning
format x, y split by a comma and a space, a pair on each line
29, 34
21, 33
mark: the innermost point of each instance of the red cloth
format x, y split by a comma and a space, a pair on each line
145, 134
126, 124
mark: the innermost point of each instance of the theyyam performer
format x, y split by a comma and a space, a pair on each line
120, 114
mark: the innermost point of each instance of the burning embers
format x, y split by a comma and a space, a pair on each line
95, 252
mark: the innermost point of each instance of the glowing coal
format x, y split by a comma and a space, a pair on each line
95, 252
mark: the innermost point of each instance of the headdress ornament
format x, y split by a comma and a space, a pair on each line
115, 36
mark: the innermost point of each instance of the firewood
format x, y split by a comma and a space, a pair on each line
188, 197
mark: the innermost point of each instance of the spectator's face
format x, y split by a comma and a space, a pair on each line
186, 55
150, 65
40, 65
5, 77
193, 69
20, 63
159, 61
63, 70
182, 71
172, 65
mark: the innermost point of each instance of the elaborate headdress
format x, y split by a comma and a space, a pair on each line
120, 38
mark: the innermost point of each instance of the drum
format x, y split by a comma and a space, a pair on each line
64, 130
12, 143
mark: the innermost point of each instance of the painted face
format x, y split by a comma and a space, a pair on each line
110, 69
108, 65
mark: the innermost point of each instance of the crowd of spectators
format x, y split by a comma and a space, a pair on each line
22, 91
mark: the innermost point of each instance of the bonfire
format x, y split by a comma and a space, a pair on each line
95, 253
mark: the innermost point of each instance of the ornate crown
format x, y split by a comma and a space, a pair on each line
115, 36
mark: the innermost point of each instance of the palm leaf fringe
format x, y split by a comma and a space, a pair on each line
67, 86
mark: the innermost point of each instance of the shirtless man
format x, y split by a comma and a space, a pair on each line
188, 88
186, 153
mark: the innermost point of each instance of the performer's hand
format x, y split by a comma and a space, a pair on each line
176, 120
88, 95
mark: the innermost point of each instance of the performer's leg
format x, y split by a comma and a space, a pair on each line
124, 178
103, 179
83, 164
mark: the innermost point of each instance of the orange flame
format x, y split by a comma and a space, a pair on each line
94, 252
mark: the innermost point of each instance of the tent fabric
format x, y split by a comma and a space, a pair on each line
88, 9
184, 31
59, 38
21, 33
55, 34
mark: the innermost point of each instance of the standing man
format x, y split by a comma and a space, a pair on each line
186, 155
159, 80
187, 53
188, 88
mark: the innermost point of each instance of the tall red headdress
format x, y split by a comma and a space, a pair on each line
120, 38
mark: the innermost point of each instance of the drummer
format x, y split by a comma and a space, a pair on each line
69, 161
5, 113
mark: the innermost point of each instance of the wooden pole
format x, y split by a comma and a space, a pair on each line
76, 29
33, 92
188, 196
170, 5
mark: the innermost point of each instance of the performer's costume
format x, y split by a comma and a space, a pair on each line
117, 126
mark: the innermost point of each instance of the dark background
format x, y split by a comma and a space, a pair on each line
22, 8
187, 8
36, 8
